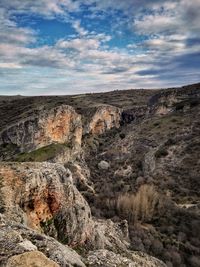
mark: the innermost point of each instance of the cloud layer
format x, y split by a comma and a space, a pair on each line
143, 44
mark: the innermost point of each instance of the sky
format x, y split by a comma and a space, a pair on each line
50, 47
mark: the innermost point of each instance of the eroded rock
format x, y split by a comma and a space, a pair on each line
106, 258
43, 197
13, 234
81, 176
111, 236
31, 259
57, 125
105, 118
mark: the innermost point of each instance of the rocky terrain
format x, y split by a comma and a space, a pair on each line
108, 179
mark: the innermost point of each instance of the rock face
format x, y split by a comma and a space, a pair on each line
174, 100
12, 235
111, 236
81, 176
106, 258
31, 259
43, 197
105, 118
58, 125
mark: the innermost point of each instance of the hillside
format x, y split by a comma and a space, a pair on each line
107, 179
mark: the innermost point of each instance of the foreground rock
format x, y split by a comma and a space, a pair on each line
13, 235
43, 197
106, 258
31, 259
21, 246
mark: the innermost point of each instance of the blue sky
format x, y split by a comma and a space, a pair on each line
78, 46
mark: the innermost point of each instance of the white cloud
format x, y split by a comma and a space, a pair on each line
43, 7
10, 65
79, 44
85, 61
80, 30
155, 24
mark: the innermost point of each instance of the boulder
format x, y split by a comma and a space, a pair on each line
103, 165
31, 259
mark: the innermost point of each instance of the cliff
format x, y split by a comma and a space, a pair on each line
176, 99
105, 118
57, 125
43, 197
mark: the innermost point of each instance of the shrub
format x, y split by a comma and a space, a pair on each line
162, 152
194, 261
140, 206
157, 247
122, 135
176, 258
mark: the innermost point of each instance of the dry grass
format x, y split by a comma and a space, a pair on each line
140, 206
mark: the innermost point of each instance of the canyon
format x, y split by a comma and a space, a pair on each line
107, 179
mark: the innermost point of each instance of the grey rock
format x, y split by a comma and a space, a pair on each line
106, 258
103, 165
13, 234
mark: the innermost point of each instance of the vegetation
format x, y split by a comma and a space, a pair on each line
140, 206
162, 152
43, 153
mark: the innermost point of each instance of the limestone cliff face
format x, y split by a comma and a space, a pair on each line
179, 99
57, 125
105, 118
43, 197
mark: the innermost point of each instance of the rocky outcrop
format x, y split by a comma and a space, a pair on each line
178, 99
44, 127
31, 259
43, 197
23, 247
111, 236
81, 176
108, 258
105, 118
14, 236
